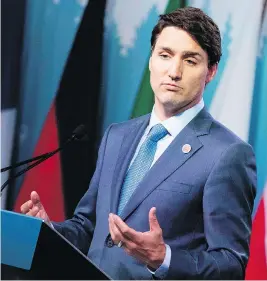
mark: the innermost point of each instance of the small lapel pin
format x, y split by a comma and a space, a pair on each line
186, 148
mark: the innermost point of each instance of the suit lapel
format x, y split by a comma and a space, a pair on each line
128, 142
171, 160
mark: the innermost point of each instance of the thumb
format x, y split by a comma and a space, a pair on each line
35, 198
153, 221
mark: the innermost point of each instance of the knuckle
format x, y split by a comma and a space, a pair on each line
149, 256
140, 239
131, 247
116, 233
114, 236
141, 242
152, 257
159, 232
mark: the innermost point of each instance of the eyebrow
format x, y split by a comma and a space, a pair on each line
191, 54
185, 54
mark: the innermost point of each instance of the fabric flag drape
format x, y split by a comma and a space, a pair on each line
145, 97
237, 98
59, 86
12, 37
128, 27
257, 266
77, 102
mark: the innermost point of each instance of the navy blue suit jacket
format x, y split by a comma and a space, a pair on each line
204, 202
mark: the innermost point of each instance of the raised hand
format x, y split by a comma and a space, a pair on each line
148, 247
35, 208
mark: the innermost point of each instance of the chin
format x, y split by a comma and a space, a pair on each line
172, 105
169, 99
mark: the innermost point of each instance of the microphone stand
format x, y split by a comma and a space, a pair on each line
32, 166
24, 162
78, 134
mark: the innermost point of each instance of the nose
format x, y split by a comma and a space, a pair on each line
176, 70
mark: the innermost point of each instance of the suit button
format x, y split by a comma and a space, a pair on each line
109, 242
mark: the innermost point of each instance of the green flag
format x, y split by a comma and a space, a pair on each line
145, 97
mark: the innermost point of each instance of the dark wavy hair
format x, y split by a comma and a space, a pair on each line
199, 25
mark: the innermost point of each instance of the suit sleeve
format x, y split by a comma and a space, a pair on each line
228, 200
79, 229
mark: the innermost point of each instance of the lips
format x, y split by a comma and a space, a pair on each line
171, 86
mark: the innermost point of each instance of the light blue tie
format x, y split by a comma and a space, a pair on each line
141, 164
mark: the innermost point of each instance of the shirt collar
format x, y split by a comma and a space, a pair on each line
176, 123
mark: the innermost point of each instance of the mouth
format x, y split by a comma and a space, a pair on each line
171, 86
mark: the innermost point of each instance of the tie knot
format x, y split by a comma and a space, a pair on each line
157, 132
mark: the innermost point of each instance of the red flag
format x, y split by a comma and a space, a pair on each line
46, 177
257, 265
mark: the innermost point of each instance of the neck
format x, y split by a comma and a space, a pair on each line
165, 112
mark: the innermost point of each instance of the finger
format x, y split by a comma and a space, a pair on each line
41, 215
33, 212
35, 198
24, 208
153, 221
112, 233
127, 231
134, 250
115, 233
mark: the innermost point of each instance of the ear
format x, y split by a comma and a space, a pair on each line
211, 73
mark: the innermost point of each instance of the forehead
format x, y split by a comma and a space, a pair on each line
178, 40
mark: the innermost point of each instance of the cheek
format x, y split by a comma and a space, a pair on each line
196, 81
154, 78
159, 67
157, 74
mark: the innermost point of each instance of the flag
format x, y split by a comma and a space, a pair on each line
12, 34
257, 266
61, 62
229, 96
237, 98
145, 97
128, 27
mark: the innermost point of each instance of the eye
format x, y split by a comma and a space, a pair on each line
190, 62
164, 56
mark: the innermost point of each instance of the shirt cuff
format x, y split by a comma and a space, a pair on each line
162, 271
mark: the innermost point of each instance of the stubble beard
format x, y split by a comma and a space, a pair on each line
173, 103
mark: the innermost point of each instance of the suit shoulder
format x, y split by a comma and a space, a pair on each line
214, 133
129, 123
224, 137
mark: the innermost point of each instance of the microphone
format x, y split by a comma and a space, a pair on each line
78, 134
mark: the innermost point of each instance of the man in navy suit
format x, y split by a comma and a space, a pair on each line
173, 191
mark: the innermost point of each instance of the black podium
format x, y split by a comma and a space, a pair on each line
32, 250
